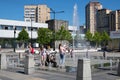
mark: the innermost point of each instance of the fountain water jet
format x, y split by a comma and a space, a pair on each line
76, 30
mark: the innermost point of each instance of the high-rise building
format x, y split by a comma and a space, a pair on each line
91, 10
114, 20
103, 20
36, 13
30, 13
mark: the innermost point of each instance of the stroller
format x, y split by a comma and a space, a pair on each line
51, 58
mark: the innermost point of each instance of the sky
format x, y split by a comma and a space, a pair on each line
14, 9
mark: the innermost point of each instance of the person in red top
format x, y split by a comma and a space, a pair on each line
31, 49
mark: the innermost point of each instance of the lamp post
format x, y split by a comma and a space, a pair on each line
14, 38
54, 13
31, 29
87, 43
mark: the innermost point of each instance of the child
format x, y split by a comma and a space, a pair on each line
71, 53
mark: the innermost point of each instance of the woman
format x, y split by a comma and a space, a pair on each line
43, 54
62, 55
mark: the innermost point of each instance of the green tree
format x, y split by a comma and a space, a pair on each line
6, 42
23, 36
97, 38
44, 36
105, 38
89, 36
63, 34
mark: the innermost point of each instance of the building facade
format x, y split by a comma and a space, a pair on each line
10, 29
7, 28
91, 10
36, 13
103, 20
114, 20
56, 24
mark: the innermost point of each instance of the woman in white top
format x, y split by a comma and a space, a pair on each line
62, 55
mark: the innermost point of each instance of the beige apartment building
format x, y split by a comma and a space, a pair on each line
91, 11
114, 19
30, 13
103, 20
109, 21
114, 23
36, 13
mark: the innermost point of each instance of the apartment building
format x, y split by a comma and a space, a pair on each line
36, 13
114, 20
103, 20
91, 11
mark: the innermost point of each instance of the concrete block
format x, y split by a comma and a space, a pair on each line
3, 61
83, 70
118, 70
29, 64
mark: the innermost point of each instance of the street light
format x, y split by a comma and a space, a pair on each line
54, 13
87, 44
31, 29
14, 38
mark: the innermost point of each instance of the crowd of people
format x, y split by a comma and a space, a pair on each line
48, 58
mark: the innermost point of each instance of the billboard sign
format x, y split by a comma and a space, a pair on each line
114, 34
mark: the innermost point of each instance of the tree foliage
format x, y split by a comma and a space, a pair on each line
63, 34
97, 38
88, 36
23, 36
44, 36
105, 38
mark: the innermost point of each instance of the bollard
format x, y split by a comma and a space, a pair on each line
101, 63
117, 63
83, 70
118, 70
29, 64
20, 55
111, 63
3, 61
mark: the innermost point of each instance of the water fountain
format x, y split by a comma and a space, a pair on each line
75, 24
78, 39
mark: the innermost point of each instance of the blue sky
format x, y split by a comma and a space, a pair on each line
14, 9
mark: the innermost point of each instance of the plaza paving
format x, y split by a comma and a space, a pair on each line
59, 74
54, 75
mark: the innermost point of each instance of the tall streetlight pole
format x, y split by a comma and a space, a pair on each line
14, 38
31, 29
54, 13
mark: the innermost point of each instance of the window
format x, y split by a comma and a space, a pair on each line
0, 27
6, 28
19, 27
33, 29
10, 27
